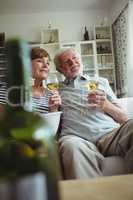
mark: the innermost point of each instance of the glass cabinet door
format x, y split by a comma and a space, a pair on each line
88, 56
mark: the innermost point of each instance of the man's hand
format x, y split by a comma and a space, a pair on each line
54, 101
97, 97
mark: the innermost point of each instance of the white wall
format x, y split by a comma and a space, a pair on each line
117, 6
70, 24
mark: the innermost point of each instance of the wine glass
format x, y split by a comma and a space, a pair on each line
90, 86
93, 82
52, 82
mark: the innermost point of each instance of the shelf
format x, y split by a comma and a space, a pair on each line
51, 44
103, 40
102, 32
104, 54
87, 42
89, 55
49, 36
106, 68
87, 48
104, 48
69, 44
91, 69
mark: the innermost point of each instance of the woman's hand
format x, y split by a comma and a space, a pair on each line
97, 97
54, 101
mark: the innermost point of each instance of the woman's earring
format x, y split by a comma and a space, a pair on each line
33, 81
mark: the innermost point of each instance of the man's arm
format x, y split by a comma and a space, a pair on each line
114, 111
111, 105
107, 102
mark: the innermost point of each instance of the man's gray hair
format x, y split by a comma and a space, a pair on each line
59, 53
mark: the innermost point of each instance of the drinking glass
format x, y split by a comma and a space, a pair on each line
92, 82
52, 85
52, 82
90, 86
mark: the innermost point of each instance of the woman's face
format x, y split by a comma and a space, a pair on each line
40, 68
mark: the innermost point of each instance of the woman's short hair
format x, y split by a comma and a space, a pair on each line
37, 52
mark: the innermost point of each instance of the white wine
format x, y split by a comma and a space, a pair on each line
28, 156
53, 86
93, 85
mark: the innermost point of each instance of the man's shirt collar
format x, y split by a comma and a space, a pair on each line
81, 77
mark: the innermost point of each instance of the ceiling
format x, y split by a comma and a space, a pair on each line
29, 6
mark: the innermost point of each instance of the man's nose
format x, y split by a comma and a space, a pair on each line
71, 62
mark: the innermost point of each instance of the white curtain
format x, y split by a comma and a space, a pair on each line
130, 50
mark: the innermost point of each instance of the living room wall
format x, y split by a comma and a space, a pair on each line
117, 6
71, 24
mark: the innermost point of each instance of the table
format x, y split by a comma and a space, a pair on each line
104, 188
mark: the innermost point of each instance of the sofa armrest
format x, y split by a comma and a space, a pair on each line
127, 105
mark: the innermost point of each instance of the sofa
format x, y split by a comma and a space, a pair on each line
115, 165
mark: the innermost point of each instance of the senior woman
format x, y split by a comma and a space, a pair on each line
43, 100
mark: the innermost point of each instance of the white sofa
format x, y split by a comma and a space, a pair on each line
115, 165
53, 119
127, 105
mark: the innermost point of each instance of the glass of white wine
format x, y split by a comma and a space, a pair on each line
90, 86
93, 82
52, 82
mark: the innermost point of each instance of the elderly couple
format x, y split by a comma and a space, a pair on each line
87, 134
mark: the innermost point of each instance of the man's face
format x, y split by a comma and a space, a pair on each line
70, 64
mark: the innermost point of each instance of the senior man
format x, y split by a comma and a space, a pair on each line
90, 133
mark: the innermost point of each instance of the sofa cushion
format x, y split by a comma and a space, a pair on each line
113, 165
127, 105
